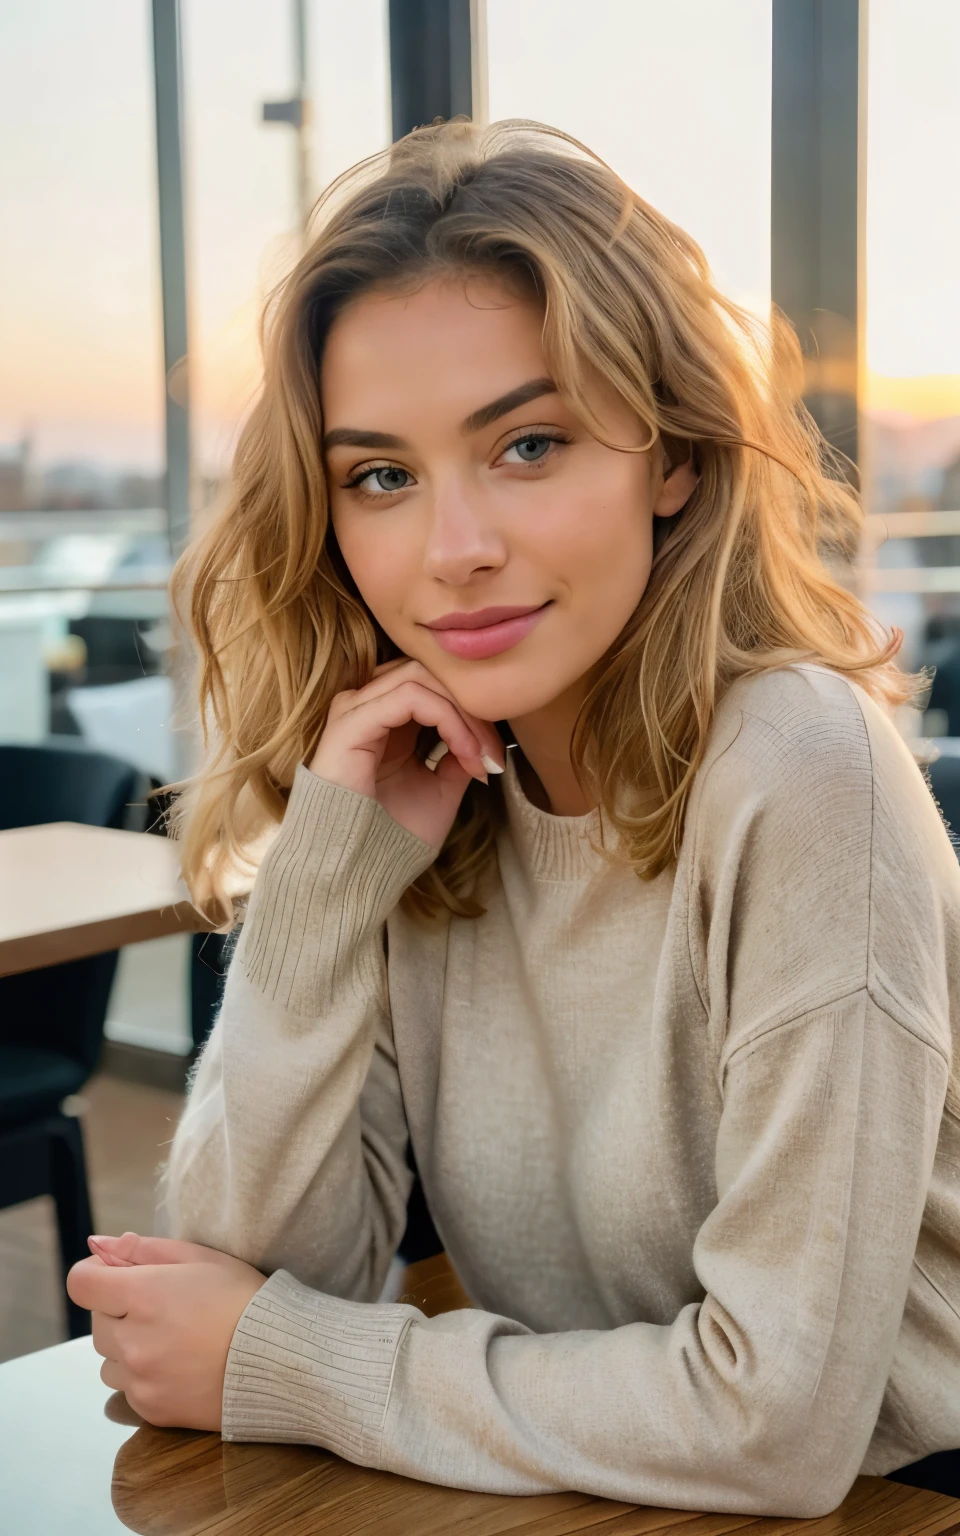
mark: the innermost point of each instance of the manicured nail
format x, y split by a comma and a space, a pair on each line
489, 764
105, 1254
434, 755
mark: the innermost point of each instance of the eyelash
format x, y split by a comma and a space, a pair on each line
356, 481
554, 435
551, 435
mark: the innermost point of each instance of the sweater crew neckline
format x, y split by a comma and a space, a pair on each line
551, 847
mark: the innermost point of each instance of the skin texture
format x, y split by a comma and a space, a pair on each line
467, 521
475, 527
164, 1313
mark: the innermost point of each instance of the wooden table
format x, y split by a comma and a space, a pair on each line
74, 1461
68, 890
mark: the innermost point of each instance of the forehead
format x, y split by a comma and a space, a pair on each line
444, 349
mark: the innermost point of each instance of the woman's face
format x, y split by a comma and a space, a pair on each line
460, 481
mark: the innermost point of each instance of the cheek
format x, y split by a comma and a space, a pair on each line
599, 534
378, 563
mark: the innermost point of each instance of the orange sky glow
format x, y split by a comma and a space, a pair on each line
79, 326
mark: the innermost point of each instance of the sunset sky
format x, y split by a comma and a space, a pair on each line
676, 96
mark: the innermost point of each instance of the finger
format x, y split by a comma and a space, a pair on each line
106, 1332
434, 755
412, 701
101, 1248
94, 1285
384, 681
491, 747
383, 674
341, 702
132, 1249
450, 771
114, 1375
407, 671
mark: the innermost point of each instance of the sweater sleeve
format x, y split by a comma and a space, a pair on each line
761, 1395
292, 1146
760, 1399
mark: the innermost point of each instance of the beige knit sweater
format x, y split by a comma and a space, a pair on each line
692, 1145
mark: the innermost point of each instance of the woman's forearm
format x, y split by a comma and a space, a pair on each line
296, 1095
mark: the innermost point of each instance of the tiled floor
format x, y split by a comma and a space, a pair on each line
126, 1127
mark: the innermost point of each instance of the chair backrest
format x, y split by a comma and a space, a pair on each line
63, 781
62, 1008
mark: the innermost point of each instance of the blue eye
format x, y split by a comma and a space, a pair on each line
531, 448
382, 480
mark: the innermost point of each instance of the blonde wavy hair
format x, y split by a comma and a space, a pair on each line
738, 585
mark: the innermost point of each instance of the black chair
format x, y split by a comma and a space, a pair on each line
209, 955
116, 650
939, 1473
51, 1020
209, 952
420, 1239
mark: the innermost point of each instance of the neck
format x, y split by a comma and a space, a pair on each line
544, 738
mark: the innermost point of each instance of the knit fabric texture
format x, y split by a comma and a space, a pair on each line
691, 1144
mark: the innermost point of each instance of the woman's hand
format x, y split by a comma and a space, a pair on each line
369, 744
164, 1314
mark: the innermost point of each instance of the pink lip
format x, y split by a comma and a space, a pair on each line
479, 618
476, 643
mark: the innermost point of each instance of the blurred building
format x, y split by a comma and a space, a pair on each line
18, 491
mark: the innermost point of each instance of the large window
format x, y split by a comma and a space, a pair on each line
242, 173
84, 552
911, 405
675, 97
81, 379
81, 388
83, 549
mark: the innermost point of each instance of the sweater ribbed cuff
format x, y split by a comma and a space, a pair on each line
337, 868
310, 1369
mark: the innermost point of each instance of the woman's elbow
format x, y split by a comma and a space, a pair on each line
795, 1476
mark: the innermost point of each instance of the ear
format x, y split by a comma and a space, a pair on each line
676, 489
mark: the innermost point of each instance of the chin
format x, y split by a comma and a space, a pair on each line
507, 693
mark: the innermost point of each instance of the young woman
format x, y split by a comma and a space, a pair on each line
604, 881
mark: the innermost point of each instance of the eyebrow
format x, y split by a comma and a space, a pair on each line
363, 437
360, 437
511, 401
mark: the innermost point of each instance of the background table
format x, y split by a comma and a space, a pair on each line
67, 891
74, 1461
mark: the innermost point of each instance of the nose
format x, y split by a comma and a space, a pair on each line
463, 539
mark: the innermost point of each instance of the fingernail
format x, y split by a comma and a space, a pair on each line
96, 1239
489, 764
436, 752
483, 777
